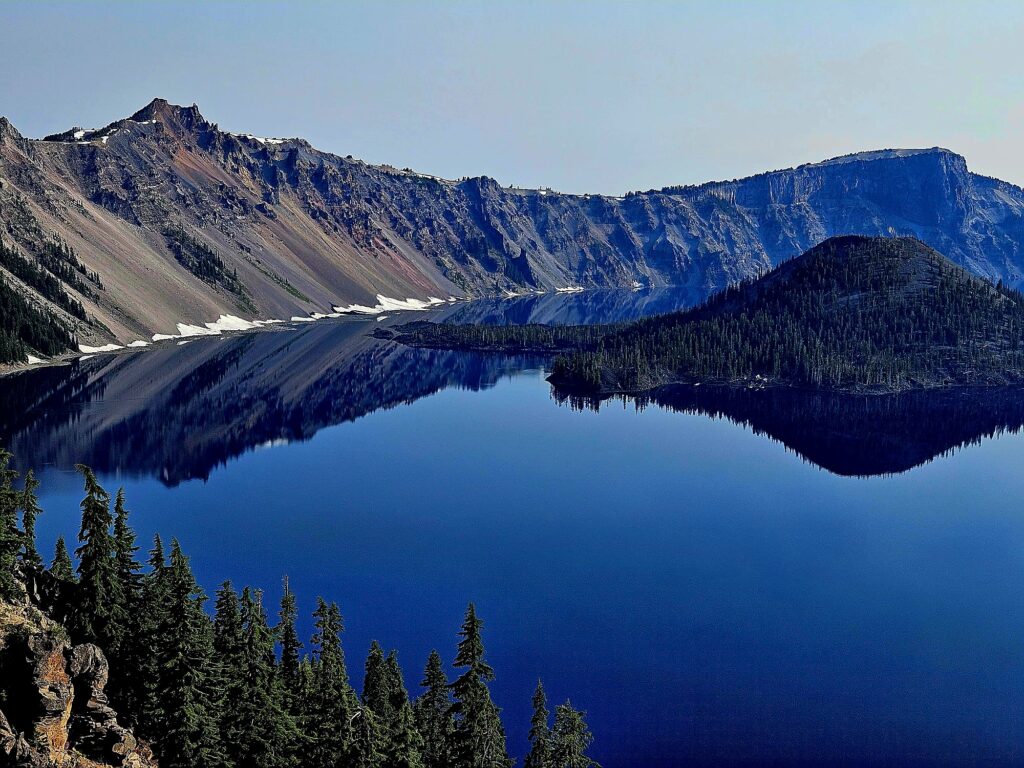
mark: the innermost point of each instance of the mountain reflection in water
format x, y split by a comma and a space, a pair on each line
176, 413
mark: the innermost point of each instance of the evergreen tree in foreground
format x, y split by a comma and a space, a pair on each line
125, 649
570, 739
29, 512
540, 732
330, 705
187, 702
433, 714
10, 536
98, 591
288, 637
62, 567
479, 739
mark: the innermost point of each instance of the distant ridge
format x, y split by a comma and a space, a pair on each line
182, 222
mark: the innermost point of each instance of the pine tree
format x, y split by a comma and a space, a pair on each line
10, 536
570, 739
479, 739
62, 567
540, 732
29, 512
97, 591
188, 717
288, 637
433, 714
330, 706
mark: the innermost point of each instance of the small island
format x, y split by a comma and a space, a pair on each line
853, 314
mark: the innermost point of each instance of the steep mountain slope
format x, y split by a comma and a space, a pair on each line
182, 222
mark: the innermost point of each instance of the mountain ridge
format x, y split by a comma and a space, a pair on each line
184, 222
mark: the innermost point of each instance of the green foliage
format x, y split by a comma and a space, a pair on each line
43, 280
25, 327
188, 715
217, 693
10, 536
203, 262
479, 739
62, 567
99, 590
30, 510
570, 739
540, 755
433, 714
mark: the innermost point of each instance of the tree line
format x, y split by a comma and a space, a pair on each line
236, 690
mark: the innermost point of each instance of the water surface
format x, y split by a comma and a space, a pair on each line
717, 578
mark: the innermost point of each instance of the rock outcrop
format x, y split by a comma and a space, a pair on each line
53, 711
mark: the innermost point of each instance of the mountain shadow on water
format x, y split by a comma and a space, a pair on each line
852, 435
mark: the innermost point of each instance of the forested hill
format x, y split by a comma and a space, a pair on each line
853, 313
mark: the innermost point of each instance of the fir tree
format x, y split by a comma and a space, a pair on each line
433, 714
539, 755
10, 536
126, 647
153, 616
330, 705
288, 637
261, 733
228, 642
62, 567
98, 590
29, 512
188, 716
367, 742
479, 739
570, 739
377, 690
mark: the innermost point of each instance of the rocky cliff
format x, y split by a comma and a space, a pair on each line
53, 709
179, 221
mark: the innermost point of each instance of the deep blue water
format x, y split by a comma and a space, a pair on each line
708, 594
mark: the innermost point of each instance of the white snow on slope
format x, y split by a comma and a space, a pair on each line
387, 304
139, 343
33, 360
96, 350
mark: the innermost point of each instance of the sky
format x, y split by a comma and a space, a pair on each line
598, 96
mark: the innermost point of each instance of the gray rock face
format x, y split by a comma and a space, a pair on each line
303, 229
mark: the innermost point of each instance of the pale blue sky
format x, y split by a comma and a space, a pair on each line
579, 96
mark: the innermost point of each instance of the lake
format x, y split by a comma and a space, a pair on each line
717, 578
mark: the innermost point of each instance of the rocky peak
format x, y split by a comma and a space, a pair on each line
177, 118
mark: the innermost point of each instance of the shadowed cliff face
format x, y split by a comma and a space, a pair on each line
852, 435
301, 229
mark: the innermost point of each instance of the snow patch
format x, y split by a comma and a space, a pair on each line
570, 289
33, 360
299, 319
230, 323
96, 350
139, 343
78, 134
260, 139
